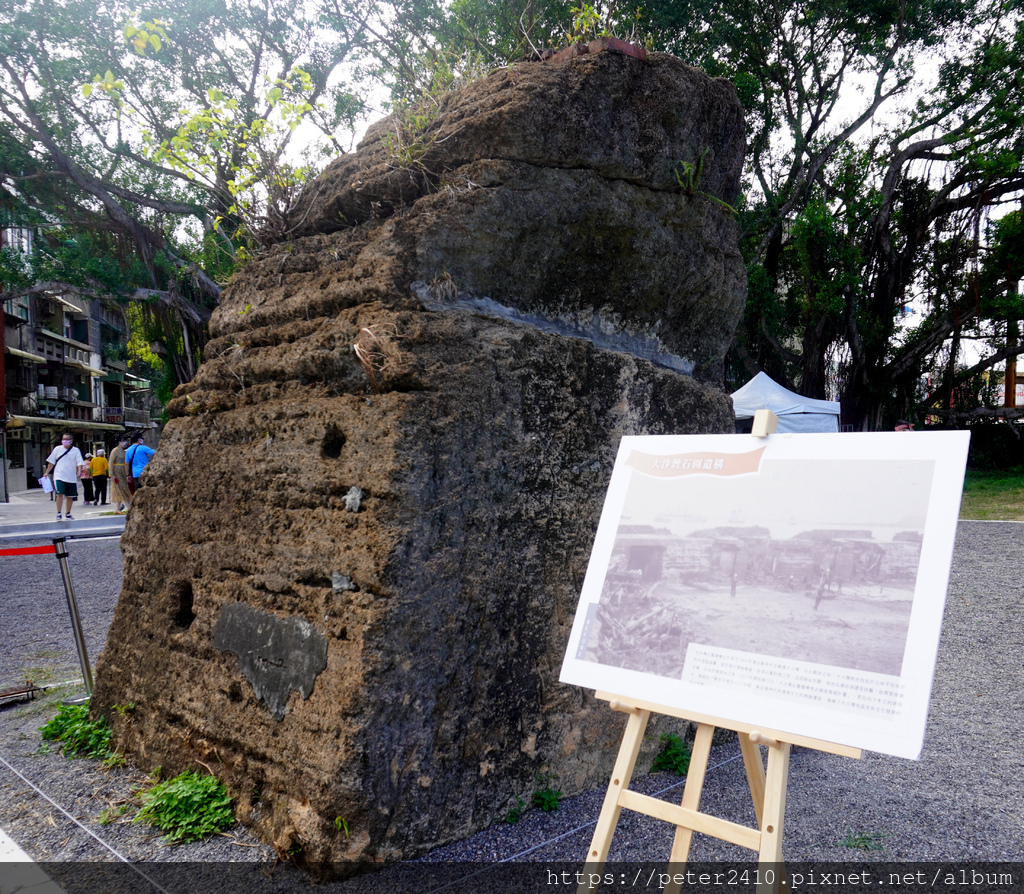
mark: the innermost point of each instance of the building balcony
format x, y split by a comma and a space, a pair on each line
20, 379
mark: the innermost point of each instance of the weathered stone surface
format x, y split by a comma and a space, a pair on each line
551, 181
418, 489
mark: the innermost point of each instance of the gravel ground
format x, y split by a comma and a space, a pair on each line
963, 801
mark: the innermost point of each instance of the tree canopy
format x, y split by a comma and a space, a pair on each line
164, 130
885, 146
882, 136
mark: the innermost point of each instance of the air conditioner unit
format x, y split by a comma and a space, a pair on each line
18, 434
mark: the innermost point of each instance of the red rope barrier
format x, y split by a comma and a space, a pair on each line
30, 551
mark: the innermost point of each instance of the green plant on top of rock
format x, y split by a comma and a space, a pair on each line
188, 807
587, 24
416, 113
590, 23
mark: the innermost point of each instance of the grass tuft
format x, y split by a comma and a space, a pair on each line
78, 735
865, 841
189, 807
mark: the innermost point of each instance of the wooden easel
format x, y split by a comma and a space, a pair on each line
767, 786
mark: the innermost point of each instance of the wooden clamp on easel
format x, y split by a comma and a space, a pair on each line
767, 785
767, 789
765, 423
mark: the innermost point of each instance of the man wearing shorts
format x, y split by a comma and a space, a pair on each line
66, 463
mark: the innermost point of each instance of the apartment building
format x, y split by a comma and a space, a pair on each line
64, 367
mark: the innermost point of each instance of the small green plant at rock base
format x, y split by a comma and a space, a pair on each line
114, 760
79, 736
864, 841
188, 807
515, 812
340, 823
674, 756
547, 799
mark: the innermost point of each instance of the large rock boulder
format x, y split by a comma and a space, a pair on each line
353, 563
550, 188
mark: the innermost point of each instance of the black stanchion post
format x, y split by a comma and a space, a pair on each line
76, 621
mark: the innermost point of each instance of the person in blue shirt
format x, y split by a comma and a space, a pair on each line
138, 456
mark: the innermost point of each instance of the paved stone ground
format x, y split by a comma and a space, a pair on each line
963, 801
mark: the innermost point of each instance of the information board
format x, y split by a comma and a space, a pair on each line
795, 581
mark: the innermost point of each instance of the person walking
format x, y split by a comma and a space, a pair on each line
120, 493
66, 464
99, 468
86, 478
138, 457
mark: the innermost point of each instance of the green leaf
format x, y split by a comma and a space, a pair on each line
189, 807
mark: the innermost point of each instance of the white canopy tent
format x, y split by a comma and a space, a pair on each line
796, 413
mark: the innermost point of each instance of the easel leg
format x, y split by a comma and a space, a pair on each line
692, 789
691, 798
610, 810
776, 780
755, 774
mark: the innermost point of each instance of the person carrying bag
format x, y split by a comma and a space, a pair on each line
136, 458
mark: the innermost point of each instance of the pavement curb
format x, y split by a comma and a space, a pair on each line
19, 872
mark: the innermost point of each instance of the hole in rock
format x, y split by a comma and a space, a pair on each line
313, 578
333, 441
184, 616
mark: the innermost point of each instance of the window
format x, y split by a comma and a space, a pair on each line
16, 307
18, 238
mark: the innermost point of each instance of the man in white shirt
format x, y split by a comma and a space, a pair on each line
66, 464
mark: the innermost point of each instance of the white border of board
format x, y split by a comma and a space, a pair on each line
682, 460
